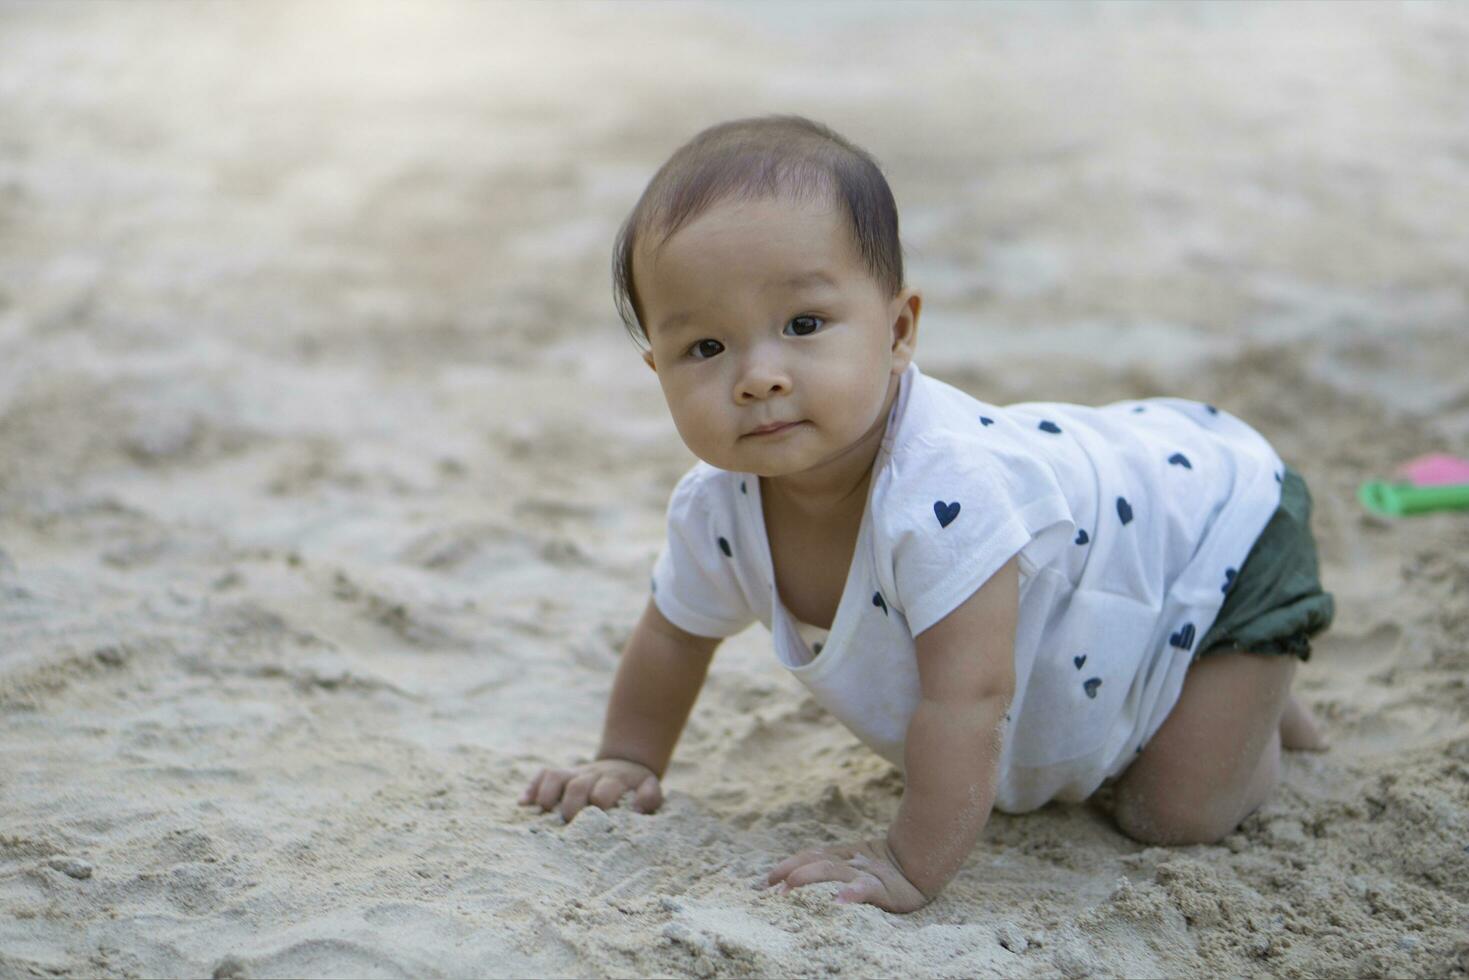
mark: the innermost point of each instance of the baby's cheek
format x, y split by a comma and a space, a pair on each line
708, 434
695, 433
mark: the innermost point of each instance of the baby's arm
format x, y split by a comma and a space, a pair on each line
966, 671
658, 679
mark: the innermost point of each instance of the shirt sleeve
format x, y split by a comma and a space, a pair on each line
953, 515
695, 585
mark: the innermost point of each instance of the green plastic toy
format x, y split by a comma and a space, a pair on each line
1404, 499
1436, 481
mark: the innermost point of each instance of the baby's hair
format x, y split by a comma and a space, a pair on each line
753, 158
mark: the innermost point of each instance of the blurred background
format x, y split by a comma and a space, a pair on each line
418, 193
329, 478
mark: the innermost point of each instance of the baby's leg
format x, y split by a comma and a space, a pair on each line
1216, 757
1298, 729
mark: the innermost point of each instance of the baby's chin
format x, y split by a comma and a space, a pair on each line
767, 468
764, 460
756, 465
754, 469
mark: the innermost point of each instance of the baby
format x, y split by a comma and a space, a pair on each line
1011, 604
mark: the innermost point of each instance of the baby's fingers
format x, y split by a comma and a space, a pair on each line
821, 870
545, 789
529, 793
793, 862
865, 888
574, 797
607, 792
649, 796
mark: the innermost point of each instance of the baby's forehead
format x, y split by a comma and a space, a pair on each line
766, 271
797, 234
795, 281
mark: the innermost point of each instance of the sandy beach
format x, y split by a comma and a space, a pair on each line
330, 483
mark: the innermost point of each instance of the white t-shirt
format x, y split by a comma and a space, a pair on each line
1130, 521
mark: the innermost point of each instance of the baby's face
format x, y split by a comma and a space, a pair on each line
762, 312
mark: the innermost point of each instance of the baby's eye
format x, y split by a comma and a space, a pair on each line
805, 325
705, 349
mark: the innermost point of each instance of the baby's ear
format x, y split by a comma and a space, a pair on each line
908, 303
648, 360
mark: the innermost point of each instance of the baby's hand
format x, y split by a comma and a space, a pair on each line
601, 783
868, 867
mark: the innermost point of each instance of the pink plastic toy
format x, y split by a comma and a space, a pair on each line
1434, 470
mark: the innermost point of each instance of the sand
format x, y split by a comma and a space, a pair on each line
329, 484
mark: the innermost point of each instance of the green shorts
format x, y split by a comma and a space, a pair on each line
1276, 603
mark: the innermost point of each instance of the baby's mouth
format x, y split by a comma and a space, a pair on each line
773, 428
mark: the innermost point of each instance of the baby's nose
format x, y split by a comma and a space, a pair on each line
757, 385
757, 388
763, 377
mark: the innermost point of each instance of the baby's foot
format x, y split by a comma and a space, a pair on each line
1298, 729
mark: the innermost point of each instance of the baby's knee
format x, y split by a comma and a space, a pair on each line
1151, 818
